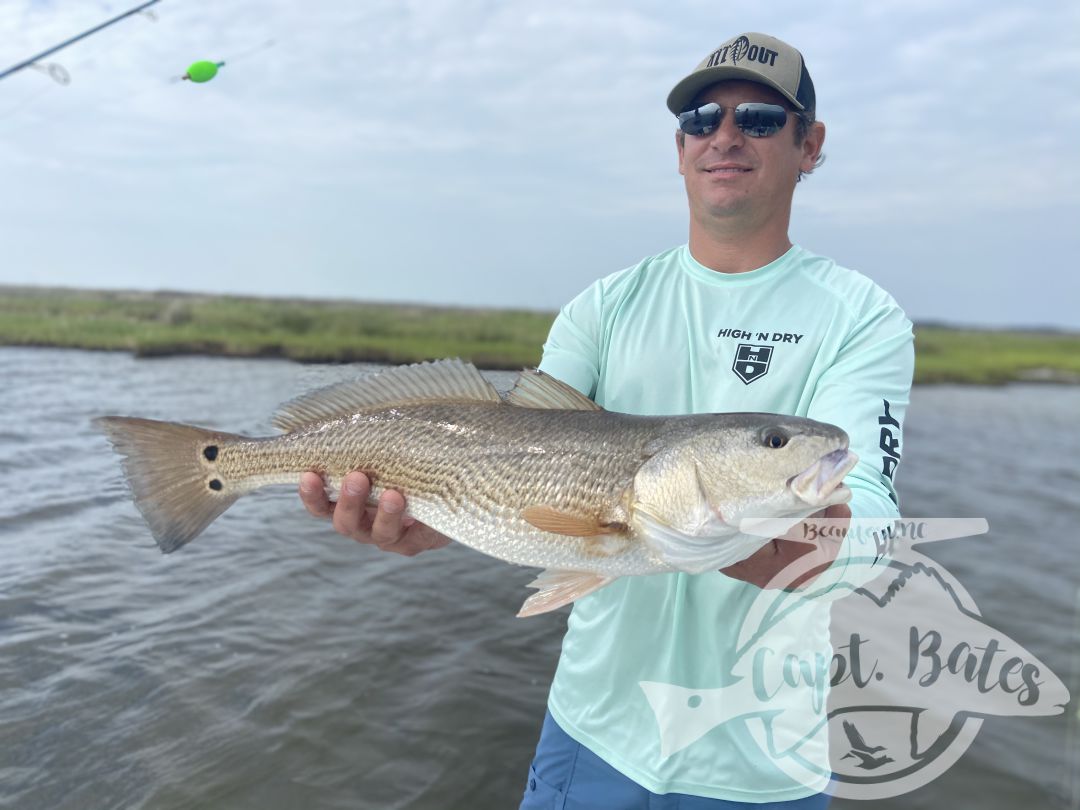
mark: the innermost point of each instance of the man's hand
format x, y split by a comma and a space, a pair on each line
384, 526
761, 567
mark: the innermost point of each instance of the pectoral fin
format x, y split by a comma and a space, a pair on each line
558, 588
549, 519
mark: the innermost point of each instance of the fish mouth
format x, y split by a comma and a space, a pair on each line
821, 483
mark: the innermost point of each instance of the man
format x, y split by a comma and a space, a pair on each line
738, 319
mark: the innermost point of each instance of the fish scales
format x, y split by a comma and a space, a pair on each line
469, 469
495, 454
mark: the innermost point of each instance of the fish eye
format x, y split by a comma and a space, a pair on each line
775, 440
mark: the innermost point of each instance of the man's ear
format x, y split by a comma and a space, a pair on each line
812, 145
680, 145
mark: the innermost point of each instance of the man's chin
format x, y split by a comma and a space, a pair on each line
727, 206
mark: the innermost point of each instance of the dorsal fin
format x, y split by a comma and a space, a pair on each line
535, 389
441, 380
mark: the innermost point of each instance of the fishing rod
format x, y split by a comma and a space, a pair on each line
83, 35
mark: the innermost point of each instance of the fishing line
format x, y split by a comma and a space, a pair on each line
222, 63
61, 77
26, 102
245, 54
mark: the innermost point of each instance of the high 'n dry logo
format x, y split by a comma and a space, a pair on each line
751, 362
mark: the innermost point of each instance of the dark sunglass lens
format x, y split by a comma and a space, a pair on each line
760, 120
701, 121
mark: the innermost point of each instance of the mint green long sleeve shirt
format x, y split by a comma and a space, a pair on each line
800, 336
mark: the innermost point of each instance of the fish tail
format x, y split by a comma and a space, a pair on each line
171, 469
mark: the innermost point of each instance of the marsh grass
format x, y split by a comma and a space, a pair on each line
992, 357
157, 324
164, 323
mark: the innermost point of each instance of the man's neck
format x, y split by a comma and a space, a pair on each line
737, 250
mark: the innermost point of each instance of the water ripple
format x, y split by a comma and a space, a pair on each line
273, 664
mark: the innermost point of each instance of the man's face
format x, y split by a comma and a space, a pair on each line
730, 174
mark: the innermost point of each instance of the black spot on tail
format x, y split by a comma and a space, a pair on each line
215, 485
210, 451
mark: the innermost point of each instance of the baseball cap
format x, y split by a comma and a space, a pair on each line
751, 57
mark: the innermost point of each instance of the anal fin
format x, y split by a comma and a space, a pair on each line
558, 588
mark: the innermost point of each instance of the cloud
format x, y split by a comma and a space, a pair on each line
488, 126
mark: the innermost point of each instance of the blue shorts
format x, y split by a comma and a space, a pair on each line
566, 775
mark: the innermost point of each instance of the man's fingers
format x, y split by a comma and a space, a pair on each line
386, 529
349, 518
313, 495
384, 525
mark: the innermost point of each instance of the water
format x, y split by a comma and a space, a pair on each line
275, 664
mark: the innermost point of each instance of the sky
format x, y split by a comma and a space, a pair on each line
506, 154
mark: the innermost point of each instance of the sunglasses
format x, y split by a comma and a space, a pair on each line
752, 118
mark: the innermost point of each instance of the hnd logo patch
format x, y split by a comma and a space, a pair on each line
751, 362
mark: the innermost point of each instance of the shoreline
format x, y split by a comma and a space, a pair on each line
156, 353
171, 324
1047, 376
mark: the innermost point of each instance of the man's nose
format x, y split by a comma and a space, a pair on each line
727, 135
